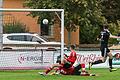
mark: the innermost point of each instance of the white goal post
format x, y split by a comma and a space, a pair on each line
39, 10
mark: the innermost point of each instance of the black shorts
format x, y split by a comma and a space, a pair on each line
76, 70
67, 65
104, 51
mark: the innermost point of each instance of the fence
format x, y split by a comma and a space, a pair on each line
42, 58
27, 59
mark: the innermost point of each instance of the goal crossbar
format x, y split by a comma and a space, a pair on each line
28, 10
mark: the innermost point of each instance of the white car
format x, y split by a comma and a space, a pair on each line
27, 39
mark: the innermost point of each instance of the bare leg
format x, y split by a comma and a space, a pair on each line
52, 67
110, 60
64, 61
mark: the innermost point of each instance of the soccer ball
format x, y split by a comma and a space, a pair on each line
45, 21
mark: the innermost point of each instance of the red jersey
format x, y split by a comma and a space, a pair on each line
72, 58
69, 71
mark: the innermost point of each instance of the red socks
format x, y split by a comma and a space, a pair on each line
82, 65
48, 70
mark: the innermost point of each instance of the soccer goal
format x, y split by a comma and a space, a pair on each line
45, 21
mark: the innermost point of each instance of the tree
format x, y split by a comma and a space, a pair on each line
90, 20
111, 10
83, 13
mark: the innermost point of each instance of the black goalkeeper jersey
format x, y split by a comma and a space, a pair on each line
104, 37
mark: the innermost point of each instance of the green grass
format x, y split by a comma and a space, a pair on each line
103, 74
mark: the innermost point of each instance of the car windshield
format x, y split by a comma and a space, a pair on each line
44, 38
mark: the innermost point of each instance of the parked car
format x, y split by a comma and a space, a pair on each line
27, 39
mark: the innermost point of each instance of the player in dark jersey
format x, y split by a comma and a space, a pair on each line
104, 37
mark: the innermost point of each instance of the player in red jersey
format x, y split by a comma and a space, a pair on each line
67, 62
73, 70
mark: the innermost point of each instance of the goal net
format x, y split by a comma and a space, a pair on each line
29, 38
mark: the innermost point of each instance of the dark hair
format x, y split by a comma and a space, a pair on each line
72, 46
104, 26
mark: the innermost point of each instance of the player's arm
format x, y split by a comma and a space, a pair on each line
112, 36
99, 37
65, 56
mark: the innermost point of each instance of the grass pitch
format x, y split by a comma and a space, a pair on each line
103, 74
